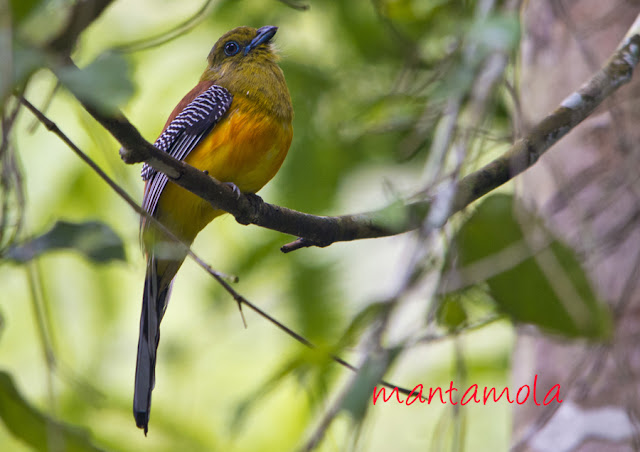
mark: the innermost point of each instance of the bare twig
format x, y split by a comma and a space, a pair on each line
45, 105
574, 109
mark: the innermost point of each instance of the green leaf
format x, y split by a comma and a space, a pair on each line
546, 287
362, 320
360, 390
26, 60
105, 83
35, 428
19, 61
97, 241
500, 32
450, 312
317, 301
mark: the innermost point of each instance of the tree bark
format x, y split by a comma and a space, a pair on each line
587, 188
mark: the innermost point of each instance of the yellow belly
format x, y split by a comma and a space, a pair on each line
245, 148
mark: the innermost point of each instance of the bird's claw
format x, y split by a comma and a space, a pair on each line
234, 188
248, 213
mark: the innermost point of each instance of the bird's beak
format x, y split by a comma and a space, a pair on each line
264, 35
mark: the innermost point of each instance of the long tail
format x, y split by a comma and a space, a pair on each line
154, 304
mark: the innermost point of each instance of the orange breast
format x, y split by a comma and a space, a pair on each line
246, 148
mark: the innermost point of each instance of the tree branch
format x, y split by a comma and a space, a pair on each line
397, 218
525, 152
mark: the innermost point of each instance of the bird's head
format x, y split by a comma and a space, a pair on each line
245, 63
242, 46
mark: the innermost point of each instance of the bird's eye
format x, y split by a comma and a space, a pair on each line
231, 48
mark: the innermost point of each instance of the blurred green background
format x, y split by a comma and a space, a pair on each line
368, 81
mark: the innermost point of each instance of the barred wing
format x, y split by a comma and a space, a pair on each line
183, 134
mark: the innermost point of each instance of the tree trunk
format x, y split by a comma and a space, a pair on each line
588, 188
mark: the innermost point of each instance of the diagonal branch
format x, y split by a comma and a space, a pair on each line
525, 152
395, 219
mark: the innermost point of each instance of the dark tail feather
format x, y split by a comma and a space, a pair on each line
154, 303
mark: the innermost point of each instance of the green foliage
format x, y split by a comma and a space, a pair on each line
361, 321
26, 22
93, 239
104, 84
498, 32
546, 287
22, 9
450, 312
36, 429
359, 392
317, 300
26, 60
312, 369
20, 62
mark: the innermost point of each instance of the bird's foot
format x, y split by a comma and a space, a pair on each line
249, 213
234, 188
254, 200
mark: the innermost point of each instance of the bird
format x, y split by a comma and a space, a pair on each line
236, 125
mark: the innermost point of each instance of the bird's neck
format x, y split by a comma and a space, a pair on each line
261, 85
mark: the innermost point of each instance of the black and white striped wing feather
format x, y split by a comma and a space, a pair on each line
182, 135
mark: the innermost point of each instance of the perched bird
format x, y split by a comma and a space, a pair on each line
236, 125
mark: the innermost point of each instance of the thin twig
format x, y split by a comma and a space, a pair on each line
45, 105
164, 37
295, 5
